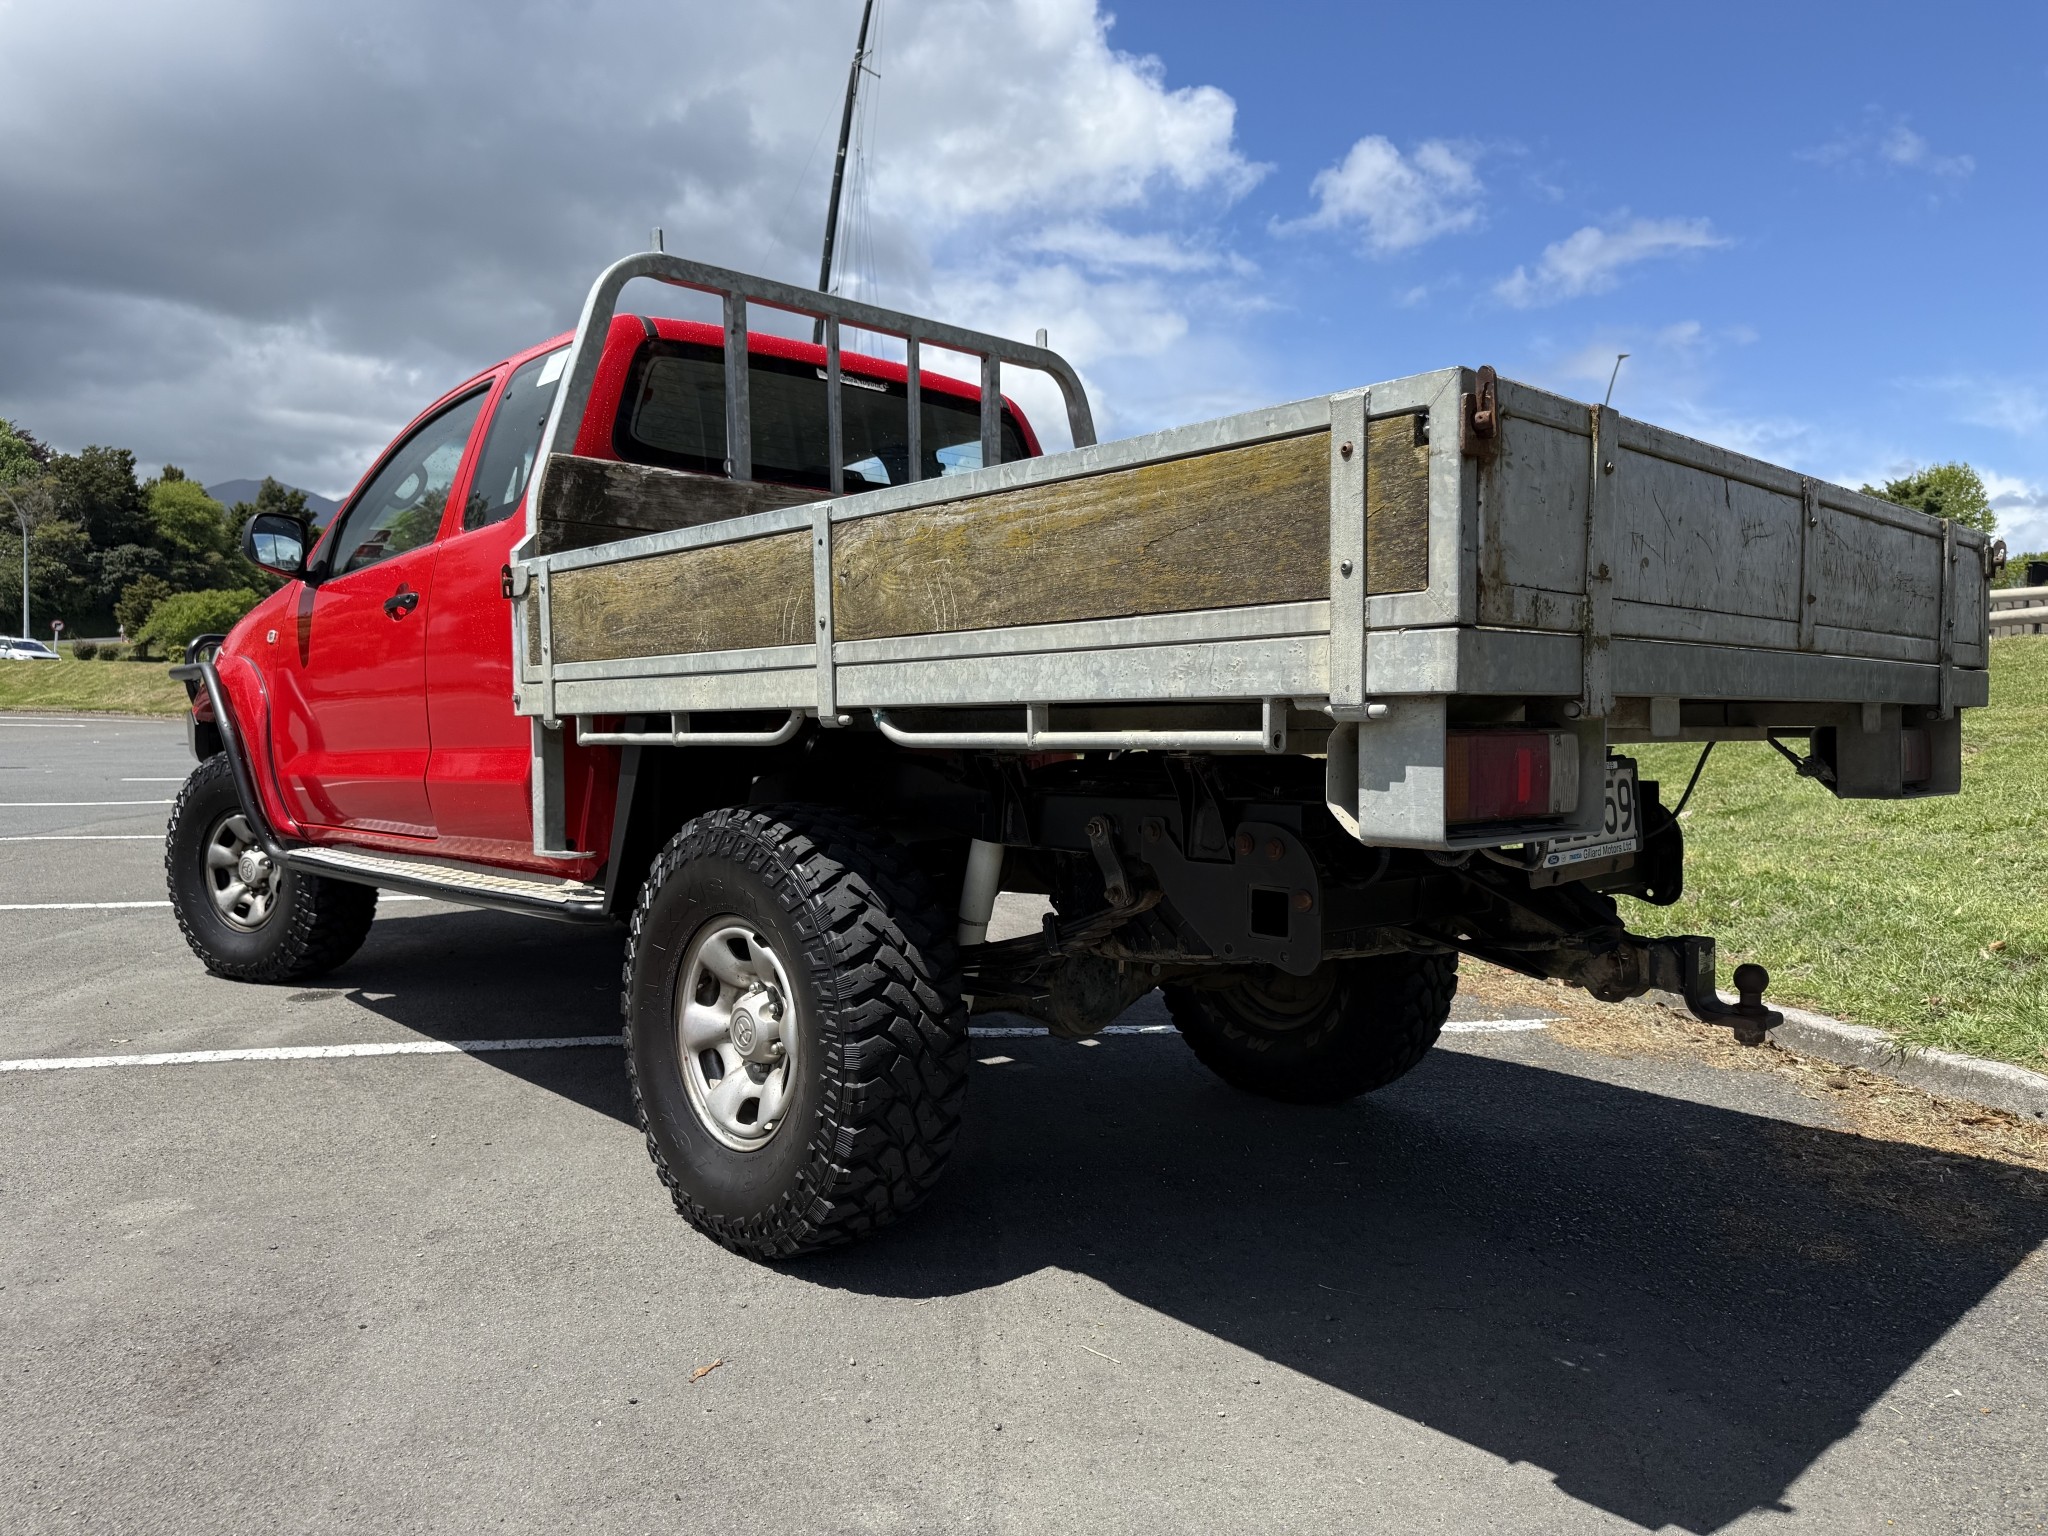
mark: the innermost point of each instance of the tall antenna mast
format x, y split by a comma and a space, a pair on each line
860, 53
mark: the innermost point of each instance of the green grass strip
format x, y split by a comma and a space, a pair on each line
111, 687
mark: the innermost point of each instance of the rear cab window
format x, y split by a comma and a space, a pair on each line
672, 414
505, 466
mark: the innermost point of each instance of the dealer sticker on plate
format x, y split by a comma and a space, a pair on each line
1621, 829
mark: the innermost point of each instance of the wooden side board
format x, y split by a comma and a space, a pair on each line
1226, 529
1230, 528
721, 597
597, 501
1396, 504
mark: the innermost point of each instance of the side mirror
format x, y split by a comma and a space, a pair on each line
277, 543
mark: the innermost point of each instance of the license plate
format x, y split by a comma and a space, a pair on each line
1620, 831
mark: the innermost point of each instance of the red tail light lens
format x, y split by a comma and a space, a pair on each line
1510, 775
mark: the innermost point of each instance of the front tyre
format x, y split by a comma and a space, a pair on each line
794, 1031
245, 917
1349, 1027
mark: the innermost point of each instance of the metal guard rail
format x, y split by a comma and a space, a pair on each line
1037, 736
679, 735
737, 290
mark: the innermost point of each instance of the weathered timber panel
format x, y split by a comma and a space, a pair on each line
596, 501
1227, 529
1396, 505
721, 597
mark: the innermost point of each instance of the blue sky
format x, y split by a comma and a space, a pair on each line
251, 238
1838, 216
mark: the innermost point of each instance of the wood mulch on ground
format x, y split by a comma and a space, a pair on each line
1868, 1103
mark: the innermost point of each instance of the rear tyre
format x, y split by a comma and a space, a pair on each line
795, 1036
245, 917
1350, 1027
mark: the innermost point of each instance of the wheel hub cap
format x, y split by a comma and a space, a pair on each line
734, 1031
240, 878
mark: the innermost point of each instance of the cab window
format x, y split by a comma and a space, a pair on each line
673, 414
400, 509
506, 464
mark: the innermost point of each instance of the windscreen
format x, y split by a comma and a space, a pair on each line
673, 414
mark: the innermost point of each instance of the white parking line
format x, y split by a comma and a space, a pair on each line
558, 1043
85, 837
28, 804
85, 720
76, 906
152, 781
304, 1053
43, 725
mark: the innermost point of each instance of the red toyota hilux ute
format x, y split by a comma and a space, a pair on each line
377, 685
658, 625
358, 731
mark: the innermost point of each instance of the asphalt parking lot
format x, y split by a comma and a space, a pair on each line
1529, 1288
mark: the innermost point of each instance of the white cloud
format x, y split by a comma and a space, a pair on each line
1399, 201
1592, 259
1102, 249
1891, 146
2001, 405
255, 239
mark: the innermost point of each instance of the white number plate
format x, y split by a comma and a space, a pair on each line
1621, 830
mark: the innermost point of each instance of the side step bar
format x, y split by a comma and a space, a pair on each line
563, 901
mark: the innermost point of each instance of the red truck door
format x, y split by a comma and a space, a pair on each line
352, 739
478, 782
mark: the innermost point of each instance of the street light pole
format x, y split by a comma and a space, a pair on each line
22, 518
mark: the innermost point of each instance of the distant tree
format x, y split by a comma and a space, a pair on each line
1953, 491
181, 617
22, 458
191, 531
138, 602
114, 570
96, 489
59, 562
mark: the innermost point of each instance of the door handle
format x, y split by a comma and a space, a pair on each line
400, 603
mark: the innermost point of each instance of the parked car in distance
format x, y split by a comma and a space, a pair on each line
26, 650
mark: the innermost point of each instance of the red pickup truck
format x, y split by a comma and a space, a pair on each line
1283, 713
366, 708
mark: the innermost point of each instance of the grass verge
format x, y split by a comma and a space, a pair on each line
1922, 917
111, 687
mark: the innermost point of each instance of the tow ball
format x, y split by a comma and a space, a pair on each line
1683, 963
1748, 1017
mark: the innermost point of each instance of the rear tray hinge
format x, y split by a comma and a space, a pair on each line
1479, 427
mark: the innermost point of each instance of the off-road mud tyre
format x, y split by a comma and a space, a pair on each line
1352, 1027
313, 925
880, 1058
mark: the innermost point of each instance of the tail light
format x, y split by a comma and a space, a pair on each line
1496, 775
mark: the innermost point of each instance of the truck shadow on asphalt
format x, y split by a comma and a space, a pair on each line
1674, 1309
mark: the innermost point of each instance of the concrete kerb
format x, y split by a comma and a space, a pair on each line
1992, 1084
